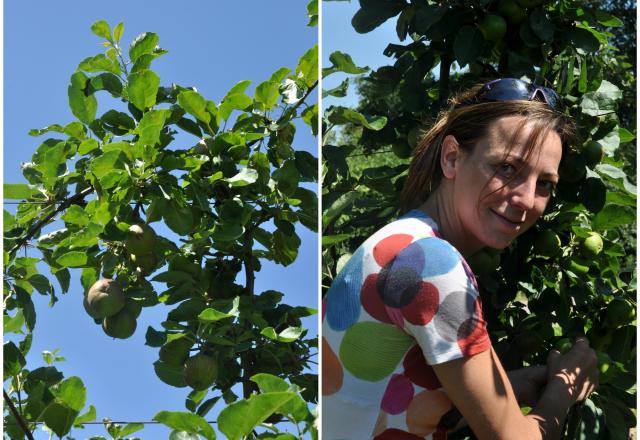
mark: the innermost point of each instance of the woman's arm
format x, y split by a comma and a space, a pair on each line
528, 384
479, 387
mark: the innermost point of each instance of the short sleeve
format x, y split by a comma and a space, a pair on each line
430, 291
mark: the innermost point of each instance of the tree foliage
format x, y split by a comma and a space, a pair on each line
556, 280
230, 200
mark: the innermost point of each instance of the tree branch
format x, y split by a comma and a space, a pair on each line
17, 415
295, 107
445, 68
305, 96
74, 199
246, 358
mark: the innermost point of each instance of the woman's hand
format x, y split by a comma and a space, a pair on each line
528, 384
577, 370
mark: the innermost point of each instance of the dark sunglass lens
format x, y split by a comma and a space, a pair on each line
507, 89
550, 96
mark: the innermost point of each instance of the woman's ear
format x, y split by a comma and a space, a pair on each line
449, 155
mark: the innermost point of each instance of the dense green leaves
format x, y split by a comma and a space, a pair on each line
367, 147
229, 200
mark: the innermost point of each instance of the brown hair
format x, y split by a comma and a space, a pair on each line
468, 121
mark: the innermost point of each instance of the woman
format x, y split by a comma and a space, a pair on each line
405, 350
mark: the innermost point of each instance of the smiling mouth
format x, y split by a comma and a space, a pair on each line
508, 220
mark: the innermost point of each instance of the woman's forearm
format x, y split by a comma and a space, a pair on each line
552, 408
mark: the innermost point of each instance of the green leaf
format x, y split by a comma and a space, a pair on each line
150, 126
268, 383
245, 177
328, 240
602, 101
143, 44
130, 428
541, 25
18, 191
582, 82
154, 338
179, 218
468, 45
53, 164
287, 177
307, 68
101, 29
89, 416
607, 19
339, 91
99, 63
267, 93
612, 216
342, 62
13, 324
310, 117
75, 129
59, 418
625, 135
312, 12
342, 115
279, 75
285, 247
373, 13
72, 393
187, 422
73, 259
9, 222
290, 334
170, 374
117, 122
213, 315
227, 232
87, 146
583, 39
338, 207
41, 283
108, 82
617, 177
82, 106
142, 89
194, 104
239, 418
182, 435
12, 359
118, 31
107, 162
235, 99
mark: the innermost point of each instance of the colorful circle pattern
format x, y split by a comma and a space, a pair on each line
399, 281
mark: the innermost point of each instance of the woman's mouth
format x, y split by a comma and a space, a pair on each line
513, 224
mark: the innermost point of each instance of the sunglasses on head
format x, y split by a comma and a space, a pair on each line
513, 89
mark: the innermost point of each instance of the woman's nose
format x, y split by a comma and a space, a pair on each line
523, 193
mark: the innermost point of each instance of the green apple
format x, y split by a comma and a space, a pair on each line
105, 298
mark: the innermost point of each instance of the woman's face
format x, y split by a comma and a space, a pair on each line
498, 197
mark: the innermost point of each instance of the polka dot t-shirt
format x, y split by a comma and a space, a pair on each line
404, 301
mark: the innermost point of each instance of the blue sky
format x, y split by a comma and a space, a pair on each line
212, 45
365, 49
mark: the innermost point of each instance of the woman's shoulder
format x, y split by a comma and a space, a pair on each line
415, 232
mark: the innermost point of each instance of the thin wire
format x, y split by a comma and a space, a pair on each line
367, 154
153, 422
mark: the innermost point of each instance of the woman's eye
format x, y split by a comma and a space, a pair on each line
507, 170
547, 186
